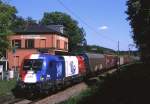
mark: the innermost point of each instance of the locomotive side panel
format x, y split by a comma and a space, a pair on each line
55, 70
82, 68
71, 66
60, 68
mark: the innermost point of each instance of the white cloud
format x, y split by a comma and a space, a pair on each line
103, 28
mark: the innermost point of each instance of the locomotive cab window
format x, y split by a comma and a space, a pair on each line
33, 64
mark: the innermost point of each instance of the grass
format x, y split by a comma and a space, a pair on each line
6, 86
130, 86
74, 100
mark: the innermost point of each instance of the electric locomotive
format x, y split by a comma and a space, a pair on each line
44, 72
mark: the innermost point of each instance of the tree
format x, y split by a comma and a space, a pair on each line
98, 49
31, 21
139, 17
7, 13
18, 22
21, 23
75, 33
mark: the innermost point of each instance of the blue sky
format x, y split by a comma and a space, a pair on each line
104, 21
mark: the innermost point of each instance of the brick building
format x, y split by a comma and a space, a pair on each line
35, 39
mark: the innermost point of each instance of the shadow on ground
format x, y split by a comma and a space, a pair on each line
129, 86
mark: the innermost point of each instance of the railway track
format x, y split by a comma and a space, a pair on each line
18, 101
73, 90
10, 99
56, 97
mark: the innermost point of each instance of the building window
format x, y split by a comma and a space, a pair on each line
58, 44
29, 43
43, 43
65, 45
16, 43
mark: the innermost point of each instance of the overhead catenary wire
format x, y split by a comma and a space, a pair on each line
85, 23
89, 26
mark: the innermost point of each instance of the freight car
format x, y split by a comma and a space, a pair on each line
125, 59
94, 63
45, 72
110, 61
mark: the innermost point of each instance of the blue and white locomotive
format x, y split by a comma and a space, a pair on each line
44, 71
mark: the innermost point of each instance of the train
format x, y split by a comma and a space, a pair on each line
43, 72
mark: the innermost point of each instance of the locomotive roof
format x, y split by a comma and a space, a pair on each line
44, 56
95, 55
39, 56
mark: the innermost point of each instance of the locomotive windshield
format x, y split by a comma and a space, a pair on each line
32, 64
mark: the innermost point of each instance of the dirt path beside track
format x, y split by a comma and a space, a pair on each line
64, 95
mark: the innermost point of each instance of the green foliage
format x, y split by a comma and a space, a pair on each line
129, 86
6, 86
98, 49
4, 44
7, 14
8, 22
134, 53
75, 33
139, 17
84, 94
21, 23
31, 21
18, 22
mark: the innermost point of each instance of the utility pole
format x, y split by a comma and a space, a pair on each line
118, 55
130, 46
129, 51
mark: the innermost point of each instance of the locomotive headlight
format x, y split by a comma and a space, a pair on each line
42, 78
